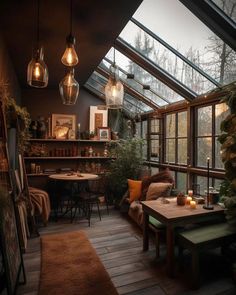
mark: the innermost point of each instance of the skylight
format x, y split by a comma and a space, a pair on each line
174, 23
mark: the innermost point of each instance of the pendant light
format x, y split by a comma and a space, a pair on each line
70, 57
69, 88
37, 71
114, 89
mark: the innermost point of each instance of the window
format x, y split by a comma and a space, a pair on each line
141, 131
155, 139
176, 138
144, 136
180, 180
202, 182
208, 121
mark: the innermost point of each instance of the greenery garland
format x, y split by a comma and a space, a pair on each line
228, 154
16, 116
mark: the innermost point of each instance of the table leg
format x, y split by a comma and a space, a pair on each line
170, 250
145, 231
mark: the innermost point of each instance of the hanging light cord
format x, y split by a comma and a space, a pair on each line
70, 17
38, 4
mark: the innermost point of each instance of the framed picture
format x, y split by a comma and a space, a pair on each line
98, 117
104, 133
63, 126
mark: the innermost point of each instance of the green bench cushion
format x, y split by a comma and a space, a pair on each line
156, 223
208, 234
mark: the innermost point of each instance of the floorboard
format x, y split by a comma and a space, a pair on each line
118, 243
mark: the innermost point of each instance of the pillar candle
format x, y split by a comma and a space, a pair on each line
193, 205
188, 200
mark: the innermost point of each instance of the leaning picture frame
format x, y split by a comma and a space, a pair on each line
98, 117
63, 126
104, 133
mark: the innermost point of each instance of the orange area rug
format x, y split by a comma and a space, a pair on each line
70, 266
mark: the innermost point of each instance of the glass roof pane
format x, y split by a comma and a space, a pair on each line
228, 6
167, 60
175, 24
128, 66
140, 106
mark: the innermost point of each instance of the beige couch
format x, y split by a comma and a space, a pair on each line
153, 187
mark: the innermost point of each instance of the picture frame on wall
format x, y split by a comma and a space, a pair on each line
104, 133
63, 126
98, 117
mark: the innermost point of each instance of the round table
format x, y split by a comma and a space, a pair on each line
70, 177
74, 177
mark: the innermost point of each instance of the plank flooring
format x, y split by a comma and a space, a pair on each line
118, 243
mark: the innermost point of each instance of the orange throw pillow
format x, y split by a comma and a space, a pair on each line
135, 189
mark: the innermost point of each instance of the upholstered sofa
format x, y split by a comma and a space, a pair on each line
153, 187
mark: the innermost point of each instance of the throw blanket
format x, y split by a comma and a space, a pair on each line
41, 203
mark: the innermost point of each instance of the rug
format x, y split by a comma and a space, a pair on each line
70, 266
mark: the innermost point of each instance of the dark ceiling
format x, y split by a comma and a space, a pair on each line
96, 24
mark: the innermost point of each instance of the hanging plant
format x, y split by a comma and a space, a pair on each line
16, 116
228, 154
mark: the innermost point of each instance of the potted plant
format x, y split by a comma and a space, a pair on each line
16, 117
228, 154
127, 163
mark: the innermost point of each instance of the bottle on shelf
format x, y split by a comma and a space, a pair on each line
90, 151
105, 152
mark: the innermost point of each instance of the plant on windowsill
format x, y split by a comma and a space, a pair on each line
228, 154
127, 163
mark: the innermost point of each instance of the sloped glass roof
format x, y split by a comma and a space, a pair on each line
159, 92
167, 60
168, 48
174, 23
228, 7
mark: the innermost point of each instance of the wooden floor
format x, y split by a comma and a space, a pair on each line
118, 243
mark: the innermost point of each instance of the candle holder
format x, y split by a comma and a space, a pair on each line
208, 206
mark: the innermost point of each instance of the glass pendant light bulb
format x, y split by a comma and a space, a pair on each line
69, 89
114, 89
37, 71
70, 57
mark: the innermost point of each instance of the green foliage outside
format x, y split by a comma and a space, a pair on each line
228, 154
127, 163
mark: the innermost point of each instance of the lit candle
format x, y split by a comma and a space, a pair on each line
190, 193
188, 200
193, 205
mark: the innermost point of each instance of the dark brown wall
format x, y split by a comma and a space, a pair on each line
44, 102
7, 72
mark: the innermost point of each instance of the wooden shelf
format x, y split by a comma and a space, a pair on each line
68, 140
64, 158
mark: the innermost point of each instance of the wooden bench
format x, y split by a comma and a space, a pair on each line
157, 227
203, 238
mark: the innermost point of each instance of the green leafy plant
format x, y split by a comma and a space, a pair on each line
16, 116
127, 163
228, 154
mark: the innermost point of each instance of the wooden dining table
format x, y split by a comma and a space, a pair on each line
171, 215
